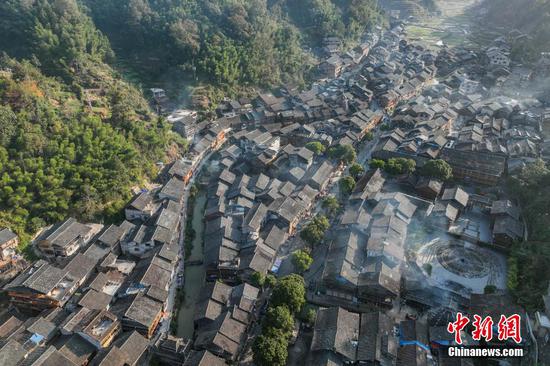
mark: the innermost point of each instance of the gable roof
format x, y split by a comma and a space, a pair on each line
336, 330
456, 194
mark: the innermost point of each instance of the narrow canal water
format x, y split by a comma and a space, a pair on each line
194, 275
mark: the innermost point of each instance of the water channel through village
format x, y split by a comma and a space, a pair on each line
194, 274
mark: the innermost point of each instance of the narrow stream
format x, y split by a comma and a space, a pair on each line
194, 275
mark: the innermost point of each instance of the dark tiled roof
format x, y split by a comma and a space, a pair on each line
456, 194
95, 300
376, 338
204, 358
6, 235
174, 188
53, 357
112, 235
141, 201
64, 233
41, 277
81, 266
12, 353
244, 296
168, 219
113, 357
133, 344
275, 238
143, 310
336, 330
77, 349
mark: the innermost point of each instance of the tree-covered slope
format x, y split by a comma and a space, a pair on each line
74, 137
530, 269
529, 16
229, 42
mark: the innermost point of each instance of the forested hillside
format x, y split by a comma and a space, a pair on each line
529, 16
74, 137
530, 261
256, 42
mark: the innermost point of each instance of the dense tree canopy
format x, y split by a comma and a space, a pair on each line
309, 315
346, 19
356, 170
290, 291
314, 231
377, 164
58, 158
301, 260
270, 349
74, 137
532, 189
55, 32
315, 146
270, 280
331, 205
438, 169
347, 185
257, 279
262, 37
532, 16
224, 41
344, 153
529, 262
281, 318
400, 166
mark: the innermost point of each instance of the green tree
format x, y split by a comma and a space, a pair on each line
220, 61
347, 185
301, 260
397, 166
270, 350
438, 169
321, 222
314, 231
377, 164
290, 291
331, 205
315, 146
309, 316
279, 317
344, 153
356, 170
531, 187
270, 280
369, 136
257, 279
489, 289
8, 125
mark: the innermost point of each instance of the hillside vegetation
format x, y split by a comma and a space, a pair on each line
74, 138
529, 16
229, 43
532, 258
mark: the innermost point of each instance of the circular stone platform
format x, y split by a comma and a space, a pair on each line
463, 261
